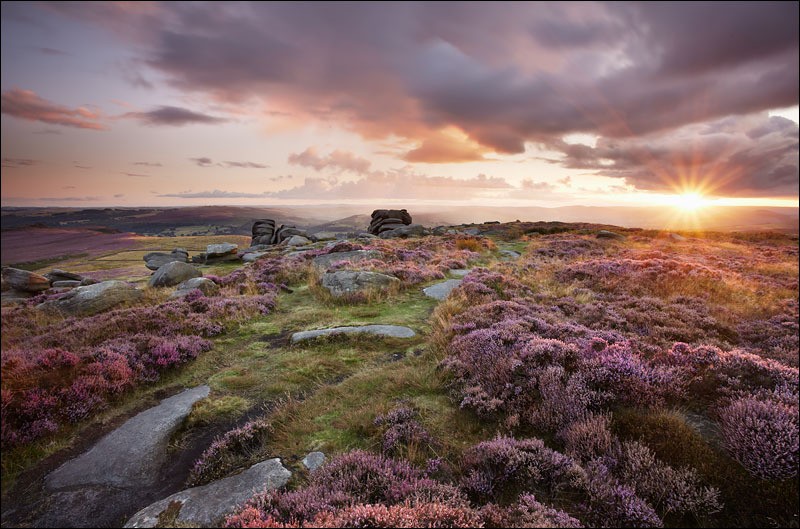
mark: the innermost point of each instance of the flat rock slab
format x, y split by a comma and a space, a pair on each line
460, 272
391, 331
350, 282
441, 290
91, 299
206, 506
225, 248
131, 455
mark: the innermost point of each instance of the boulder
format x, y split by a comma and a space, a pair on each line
66, 283
388, 219
510, 253
61, 275
346, 282
326, 235
388, 331
205, 285
314, 460
155, 260
263, 231
441, 290
88, 281
206, 506
131, 455
403, 232
251, 257
173, 273
355, 256
221, 250
91, 299
297, 240
605, 234
24, 280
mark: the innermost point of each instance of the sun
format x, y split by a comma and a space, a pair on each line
690, 201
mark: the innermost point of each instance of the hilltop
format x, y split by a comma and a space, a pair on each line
554, 374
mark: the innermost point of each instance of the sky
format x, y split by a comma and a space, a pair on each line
540, 104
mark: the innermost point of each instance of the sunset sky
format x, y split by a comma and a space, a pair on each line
546, 104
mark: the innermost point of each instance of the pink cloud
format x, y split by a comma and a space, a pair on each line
25, 104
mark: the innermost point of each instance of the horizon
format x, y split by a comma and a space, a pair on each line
510, 105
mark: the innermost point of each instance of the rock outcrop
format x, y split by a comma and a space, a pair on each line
388, 219
349, 282
266, 232
173, 273
25, 281
155, 260
57, 274
92, 299
205, 285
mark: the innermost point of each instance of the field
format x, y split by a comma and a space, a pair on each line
644, 382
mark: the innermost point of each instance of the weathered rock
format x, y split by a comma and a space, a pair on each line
676, 237
57, 274
131, 455
605, 234
459, 272
387, 219
173, 273
263, 232
206, 506
205, 285
355, 256
251, 257
439, 230
346, 282
88, 281
297, 240
413, 230
389, 331
228, 257
314, 460
66, 283
326, 235
14, 297
220, 250
91, 299
24, 280
155, 260
510, 253
472, 231
441, 290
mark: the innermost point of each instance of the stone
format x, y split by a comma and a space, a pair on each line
355, 256
155, 260
389, 331
24, 280
412, 230
472, 231
387, 219
173, 273
66, 283
130, 456
57, 274
605, 234
314, 460
326, 235
14, 297
222, 249
346, 282
441, 290
206, 506
676, 237
297, 240
459, 272
92, 299
439, 230
88, 281
251, 257
205, 285
228, 257
510, 253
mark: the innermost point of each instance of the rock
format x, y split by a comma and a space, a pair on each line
173, 273
326, 235
66, 283
91, 299
510, 253
61, 275
14, 297
472, 231
220, 250
88, 281
676, 237
403, 232
251, 257
130, 456
24, 280
208, 287
297, 240
439, 230
355, 256
206, 506
345, 282
228, 257
387, 219
390, 331
459, 272
605, 234
155, 260
441, 290
314, 460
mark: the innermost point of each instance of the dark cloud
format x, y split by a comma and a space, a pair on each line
25, 104
208, 162
148, 164
174, 117
13, 163
137, 175
203, 162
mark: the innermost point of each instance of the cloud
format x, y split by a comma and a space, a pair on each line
337, 160
530, 185
148, 164
51, 51
214, 194
75, 164
119, 195
67, 199
13, 163
135, 174
208, 162
444, 149
25, 104
173, 117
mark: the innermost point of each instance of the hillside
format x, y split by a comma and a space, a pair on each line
570, 377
